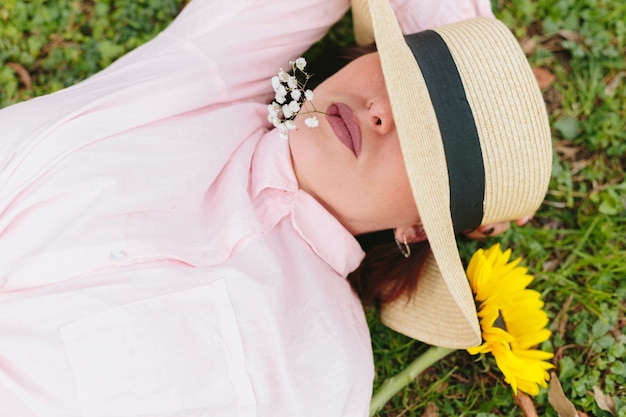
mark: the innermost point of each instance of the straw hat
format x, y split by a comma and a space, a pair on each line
476, 143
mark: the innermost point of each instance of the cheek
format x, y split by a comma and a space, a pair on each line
318, 168
396, 187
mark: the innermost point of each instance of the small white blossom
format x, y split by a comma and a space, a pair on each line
287, 112
296, 95
290, 94
283, 76
301, 63
311, 122
294, 106
280, 99
292, 82
274, 120
273, 109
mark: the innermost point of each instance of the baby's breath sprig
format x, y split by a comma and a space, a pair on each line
291, 96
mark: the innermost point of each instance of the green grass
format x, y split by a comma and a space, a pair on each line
575, 246
56, 44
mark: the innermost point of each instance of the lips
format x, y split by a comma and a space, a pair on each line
347, 130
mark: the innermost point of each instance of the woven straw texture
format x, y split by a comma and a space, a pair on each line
515, 141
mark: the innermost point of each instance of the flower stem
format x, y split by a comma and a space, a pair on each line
393, 385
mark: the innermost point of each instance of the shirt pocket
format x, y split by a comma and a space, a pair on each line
178, 354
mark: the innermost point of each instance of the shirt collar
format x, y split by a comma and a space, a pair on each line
272, 171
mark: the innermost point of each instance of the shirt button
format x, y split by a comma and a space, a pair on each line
118, 255
287, 198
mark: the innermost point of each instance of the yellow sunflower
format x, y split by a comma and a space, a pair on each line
511, 319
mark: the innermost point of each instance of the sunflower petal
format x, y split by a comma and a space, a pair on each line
500, 288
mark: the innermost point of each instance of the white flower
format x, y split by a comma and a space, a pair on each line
283, 76
273, 109
296, 94
287, 111
281, 90
283, 134
292, 82
290, 94
280, 99
294, 106
281, 94
311, 122
301, 63
274, 120
275, 82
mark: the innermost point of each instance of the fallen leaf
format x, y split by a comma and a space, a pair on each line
566, 149
578, 166
558, 400
431, 410
544, 77
612, 84
570, 35
528, 45
605, 402
22, 74
551, 265
554, 42
526, 404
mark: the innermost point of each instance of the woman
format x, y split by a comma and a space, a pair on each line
164, 253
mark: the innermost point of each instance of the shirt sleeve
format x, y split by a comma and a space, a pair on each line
418, 15
252, 39
214, 54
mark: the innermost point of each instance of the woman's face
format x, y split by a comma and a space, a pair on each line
352, 163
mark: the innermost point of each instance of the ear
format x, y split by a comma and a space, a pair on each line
412, 234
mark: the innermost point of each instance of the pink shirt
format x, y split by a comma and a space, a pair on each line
156, 255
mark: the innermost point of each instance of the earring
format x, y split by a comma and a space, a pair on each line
404, 247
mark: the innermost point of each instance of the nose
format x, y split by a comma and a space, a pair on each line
380, 118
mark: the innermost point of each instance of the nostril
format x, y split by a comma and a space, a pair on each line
379, 122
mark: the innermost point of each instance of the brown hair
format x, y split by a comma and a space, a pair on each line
333, 60
385, 273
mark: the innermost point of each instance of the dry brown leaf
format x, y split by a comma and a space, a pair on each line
551, 265
528, 45
431, 410
605, 402
570, 35
526, 404
578, 166
22, 74
566, 149
544, 77
558, 400
613, 83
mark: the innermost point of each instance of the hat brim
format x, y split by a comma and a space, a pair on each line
443, 283
514, 154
